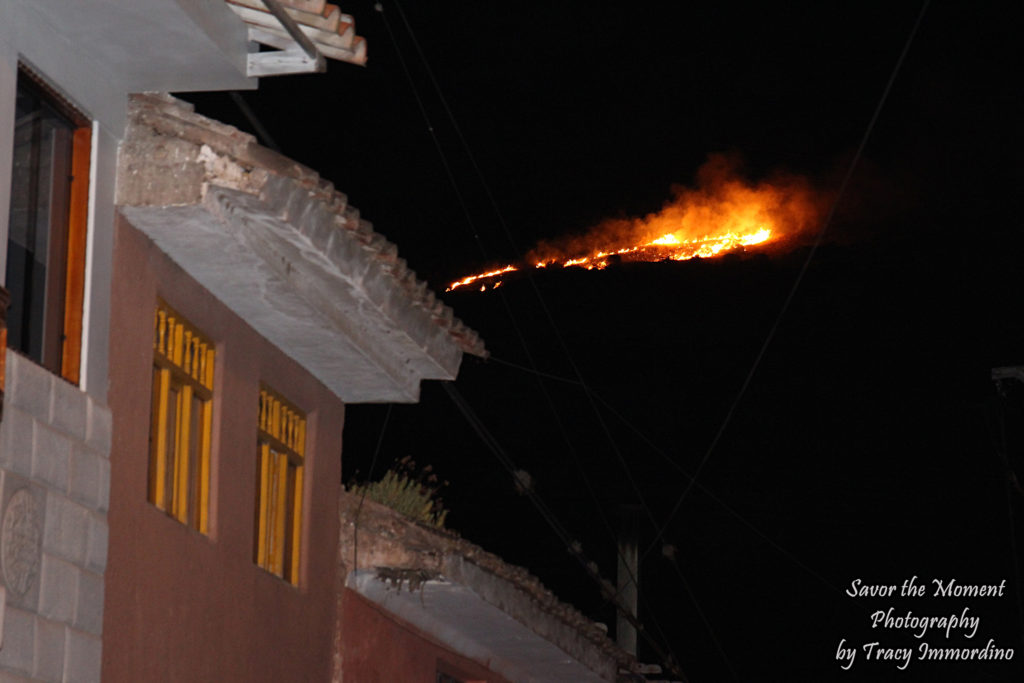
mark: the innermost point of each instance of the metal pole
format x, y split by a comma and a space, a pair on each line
627, 576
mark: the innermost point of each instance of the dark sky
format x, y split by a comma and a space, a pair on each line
866, 444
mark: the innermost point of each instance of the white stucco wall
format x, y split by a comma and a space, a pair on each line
96, 52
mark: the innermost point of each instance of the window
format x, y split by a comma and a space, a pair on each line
46, 236
182, 420
281, 447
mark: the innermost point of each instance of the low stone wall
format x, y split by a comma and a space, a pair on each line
54, 492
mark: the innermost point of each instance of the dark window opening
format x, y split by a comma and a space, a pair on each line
46, 228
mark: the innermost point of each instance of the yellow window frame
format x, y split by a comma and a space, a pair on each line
281, 445
179, 460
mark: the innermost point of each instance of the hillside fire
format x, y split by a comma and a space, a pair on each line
723, 214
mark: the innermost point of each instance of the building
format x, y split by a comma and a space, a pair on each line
300, 308
189, 313
66, 70
454, 612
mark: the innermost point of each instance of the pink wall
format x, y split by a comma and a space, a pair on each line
180, 606
377, 648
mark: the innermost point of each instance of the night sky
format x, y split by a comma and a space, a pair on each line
870, 442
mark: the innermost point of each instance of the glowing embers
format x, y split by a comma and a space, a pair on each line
724, 213
482, 276
669, 247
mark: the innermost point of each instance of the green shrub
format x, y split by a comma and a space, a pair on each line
408, 491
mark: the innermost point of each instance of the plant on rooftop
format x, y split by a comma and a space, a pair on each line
410, 491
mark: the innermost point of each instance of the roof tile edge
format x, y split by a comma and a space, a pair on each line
415, 546
175, 118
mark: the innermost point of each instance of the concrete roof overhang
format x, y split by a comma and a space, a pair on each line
470, 600
283, 250
143, 45
454, 614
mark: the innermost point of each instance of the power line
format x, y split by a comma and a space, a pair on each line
533, 371
540, 299
475, 233
430, 129
682, 470
362, 498
700, 613
740, 394
796, 283
710, 494
264, 134
254, 121
572, 546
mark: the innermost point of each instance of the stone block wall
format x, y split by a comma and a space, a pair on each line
54, 493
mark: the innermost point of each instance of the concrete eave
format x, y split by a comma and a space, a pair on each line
455, 615
285, 251
177, 45
470, 600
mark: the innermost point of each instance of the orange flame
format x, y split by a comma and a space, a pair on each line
481, 276
723, 213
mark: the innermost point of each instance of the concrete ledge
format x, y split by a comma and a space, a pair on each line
284, 250
458, 617
461, 575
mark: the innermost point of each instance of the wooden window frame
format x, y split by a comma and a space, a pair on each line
4, 300
61, 350
179, 461
280, 469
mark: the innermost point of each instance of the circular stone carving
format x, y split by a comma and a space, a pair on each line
20, 542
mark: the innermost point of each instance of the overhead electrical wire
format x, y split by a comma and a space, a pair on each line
269, 141
483, 249
703, 617
543, 304
495, 446
573, 546
659, 529
682, 470
796, 283
515, 248
362, 497
261, 131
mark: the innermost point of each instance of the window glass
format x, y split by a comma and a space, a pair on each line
46, 234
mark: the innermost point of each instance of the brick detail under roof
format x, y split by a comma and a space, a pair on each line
333, 32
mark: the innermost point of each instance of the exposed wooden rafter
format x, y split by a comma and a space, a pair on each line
302, 35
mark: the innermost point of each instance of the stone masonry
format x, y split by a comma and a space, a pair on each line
54, 491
